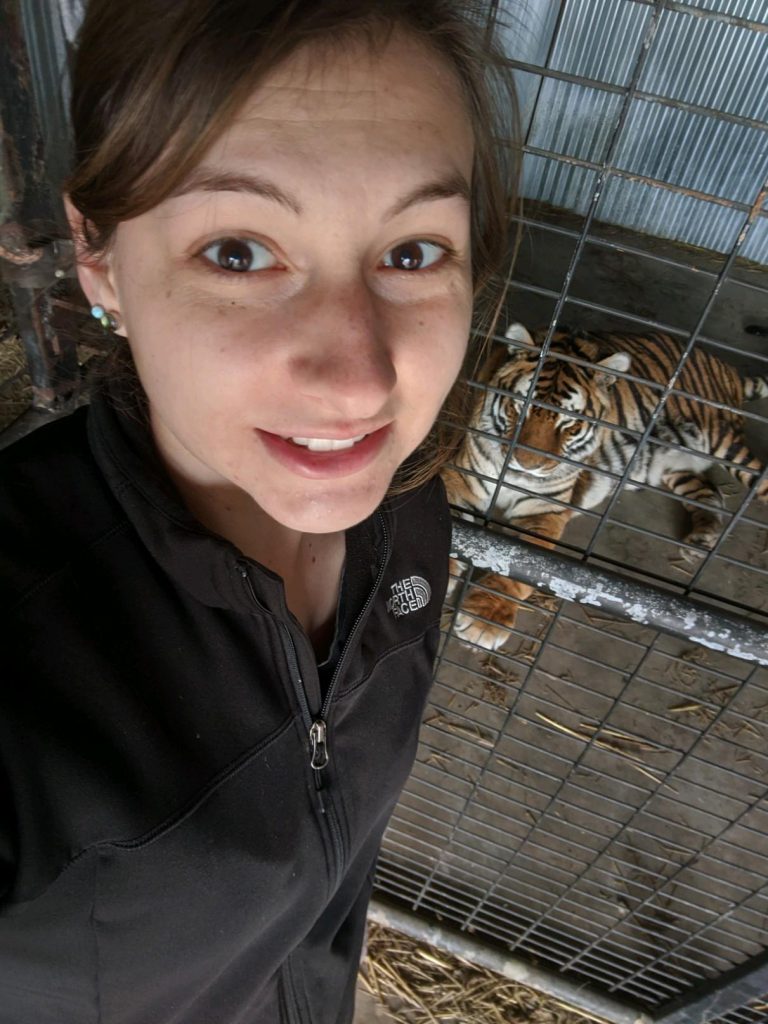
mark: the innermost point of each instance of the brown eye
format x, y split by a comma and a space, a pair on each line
234, 255
239, 255
408, 256
413, 255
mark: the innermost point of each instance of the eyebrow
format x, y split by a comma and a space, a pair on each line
206, 179
447, 187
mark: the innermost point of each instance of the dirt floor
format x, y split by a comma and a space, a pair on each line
368, 1010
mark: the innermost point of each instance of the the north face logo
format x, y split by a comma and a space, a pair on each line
409, 595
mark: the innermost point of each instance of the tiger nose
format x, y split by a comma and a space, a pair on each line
530, 460
537, 433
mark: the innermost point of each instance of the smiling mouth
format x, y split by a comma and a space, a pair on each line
325, 444
326, 458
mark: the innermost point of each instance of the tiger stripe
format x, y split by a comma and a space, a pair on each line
687, 435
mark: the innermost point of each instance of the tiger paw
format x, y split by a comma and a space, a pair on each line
703, 536
485, 621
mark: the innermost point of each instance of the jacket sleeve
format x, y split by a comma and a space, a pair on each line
7, 843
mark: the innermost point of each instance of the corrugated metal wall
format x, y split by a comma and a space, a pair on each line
697, 126
695, 139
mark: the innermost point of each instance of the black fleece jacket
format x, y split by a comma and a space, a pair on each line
168, 852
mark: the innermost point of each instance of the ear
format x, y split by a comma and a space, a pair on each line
516, 332
94, 273
616, 361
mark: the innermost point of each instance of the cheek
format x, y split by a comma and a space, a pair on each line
440, 351
216, 349
197, 389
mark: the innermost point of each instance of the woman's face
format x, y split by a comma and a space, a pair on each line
312, 281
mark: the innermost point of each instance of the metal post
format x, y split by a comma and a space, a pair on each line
32, 153
618, 596
721, 995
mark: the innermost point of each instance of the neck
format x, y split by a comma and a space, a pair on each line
234, 515
309, 564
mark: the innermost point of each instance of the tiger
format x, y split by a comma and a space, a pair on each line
575, 426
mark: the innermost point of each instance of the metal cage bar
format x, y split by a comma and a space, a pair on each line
518, 826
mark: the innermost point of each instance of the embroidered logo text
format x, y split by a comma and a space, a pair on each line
409, 595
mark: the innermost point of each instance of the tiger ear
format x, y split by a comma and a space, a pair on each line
517, 332
616, 361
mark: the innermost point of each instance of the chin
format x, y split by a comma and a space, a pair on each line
327, 513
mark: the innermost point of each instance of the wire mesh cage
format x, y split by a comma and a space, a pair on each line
593, 796
590, 790
692, 311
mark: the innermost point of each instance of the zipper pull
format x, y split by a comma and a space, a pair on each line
319, 747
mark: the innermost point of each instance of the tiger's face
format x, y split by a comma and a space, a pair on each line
567, 398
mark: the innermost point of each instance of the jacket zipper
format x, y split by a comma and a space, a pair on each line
318, 728
289, 649
323, 719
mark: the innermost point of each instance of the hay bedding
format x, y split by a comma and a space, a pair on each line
15, 386
417, 984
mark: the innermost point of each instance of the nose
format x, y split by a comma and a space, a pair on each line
343, 359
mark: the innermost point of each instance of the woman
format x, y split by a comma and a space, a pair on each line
223, 615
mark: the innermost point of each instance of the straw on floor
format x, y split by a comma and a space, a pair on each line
418, 984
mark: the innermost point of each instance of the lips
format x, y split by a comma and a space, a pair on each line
325, 458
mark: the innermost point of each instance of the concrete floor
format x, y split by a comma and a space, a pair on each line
368, 1011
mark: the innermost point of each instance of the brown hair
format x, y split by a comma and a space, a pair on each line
147, 106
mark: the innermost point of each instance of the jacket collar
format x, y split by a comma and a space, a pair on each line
207, 565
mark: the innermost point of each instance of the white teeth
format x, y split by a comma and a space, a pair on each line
325, 444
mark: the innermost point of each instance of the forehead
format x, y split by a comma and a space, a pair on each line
340, 99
